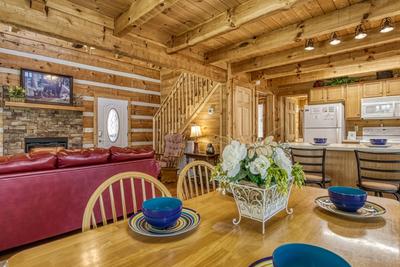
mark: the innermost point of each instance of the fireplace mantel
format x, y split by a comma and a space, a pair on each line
42, 106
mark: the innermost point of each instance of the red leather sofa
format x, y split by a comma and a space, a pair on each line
45, 194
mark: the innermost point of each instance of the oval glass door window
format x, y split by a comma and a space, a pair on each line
113, 125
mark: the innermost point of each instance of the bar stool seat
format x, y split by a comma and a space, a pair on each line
313, 163
380, 186
317, 178
379, 172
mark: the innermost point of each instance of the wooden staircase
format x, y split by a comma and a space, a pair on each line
185, 101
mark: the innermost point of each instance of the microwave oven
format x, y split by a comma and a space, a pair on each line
380, 107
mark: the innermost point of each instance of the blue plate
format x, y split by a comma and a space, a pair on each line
188, 221
347, 198
264, 262
304, 255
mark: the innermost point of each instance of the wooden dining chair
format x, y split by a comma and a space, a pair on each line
379, 172
124, 194
195, 180
313, 163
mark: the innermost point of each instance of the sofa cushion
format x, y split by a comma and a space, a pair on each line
119, 154
39, 161
84, 157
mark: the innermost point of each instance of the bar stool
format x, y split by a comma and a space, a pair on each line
379, 172
313, 162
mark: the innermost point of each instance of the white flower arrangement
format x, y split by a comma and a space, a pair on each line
263, 164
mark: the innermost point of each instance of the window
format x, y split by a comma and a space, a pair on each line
113, 125
260, 124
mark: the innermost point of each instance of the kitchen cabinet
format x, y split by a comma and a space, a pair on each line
393, 87
353, 101
317, 95
373, 89
327, 94
334, 94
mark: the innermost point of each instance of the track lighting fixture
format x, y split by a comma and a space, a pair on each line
360, 32
309, 45
386, 25
334, 39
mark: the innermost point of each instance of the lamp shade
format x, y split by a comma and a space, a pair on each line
195, 131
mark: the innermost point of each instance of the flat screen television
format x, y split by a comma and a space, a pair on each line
47, 88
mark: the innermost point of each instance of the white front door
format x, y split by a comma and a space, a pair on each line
112, 122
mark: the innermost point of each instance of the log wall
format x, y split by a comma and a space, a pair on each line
96, 74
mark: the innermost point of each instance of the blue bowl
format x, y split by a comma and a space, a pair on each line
304, 255
161, 207
162, 212
320, 140
163, 222
347, 198
378, 142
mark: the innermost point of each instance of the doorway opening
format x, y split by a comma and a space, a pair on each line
294, 117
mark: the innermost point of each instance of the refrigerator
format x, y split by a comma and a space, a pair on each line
324, 121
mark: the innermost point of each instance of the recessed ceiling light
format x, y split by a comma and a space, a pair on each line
386, 25
360, 32
334, 39
309, 45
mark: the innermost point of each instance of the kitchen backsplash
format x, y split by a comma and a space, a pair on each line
351, 124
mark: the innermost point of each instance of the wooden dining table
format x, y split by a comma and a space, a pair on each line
217, 242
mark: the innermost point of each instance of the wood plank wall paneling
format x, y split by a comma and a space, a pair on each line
143, 94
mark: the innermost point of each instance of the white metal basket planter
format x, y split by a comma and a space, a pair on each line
258, 203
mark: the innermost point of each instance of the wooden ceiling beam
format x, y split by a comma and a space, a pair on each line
139, 12
73, 9
39, 5
70, 28
228, 21
344, 18
369, 65
322, 49
332, 62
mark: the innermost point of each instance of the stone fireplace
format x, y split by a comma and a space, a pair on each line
21, 124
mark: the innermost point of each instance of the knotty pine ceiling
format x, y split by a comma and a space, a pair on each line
186, 14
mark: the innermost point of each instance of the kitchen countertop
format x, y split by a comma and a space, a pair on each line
348, 147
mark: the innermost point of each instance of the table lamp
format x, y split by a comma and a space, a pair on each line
195, 132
